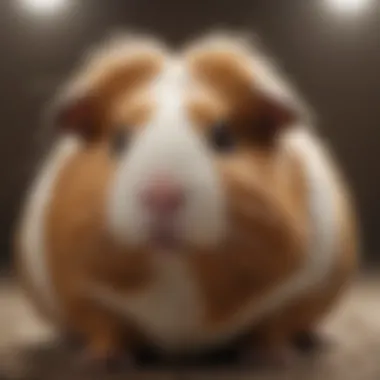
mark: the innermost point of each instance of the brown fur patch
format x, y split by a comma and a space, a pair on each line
133, 111
205, 109
267, 240
307, 311
80, 251
227, 73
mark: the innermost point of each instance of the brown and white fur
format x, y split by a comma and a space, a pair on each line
264, 238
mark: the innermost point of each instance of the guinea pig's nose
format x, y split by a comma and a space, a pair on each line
162, 195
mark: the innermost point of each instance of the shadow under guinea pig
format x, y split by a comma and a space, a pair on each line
59, 360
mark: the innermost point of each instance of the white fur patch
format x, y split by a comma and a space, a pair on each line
169, 310
33, 231
169, 145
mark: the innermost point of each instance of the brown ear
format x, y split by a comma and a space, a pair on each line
78, 114
270, 116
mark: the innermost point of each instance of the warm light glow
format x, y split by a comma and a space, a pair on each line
44, 6
349, 6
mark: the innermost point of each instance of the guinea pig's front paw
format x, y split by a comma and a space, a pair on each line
273, 357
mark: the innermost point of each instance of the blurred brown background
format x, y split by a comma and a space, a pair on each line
332, 54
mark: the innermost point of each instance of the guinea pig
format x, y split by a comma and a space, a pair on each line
186, 201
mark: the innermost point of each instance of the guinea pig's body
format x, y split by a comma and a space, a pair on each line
250, 233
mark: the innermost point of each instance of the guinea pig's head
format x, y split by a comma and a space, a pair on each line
180, 130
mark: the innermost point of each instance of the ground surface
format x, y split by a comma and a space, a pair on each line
28, 349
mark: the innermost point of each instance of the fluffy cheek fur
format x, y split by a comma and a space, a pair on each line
175, 150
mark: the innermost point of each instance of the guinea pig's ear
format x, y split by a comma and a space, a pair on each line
77, 114
271, 116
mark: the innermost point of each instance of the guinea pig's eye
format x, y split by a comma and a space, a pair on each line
119, 141
221, 138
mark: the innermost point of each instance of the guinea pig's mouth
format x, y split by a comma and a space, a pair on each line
164, 235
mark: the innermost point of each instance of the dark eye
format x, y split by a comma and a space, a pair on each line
221, 138
119, 141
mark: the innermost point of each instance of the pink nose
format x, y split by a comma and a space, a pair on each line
162, 196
